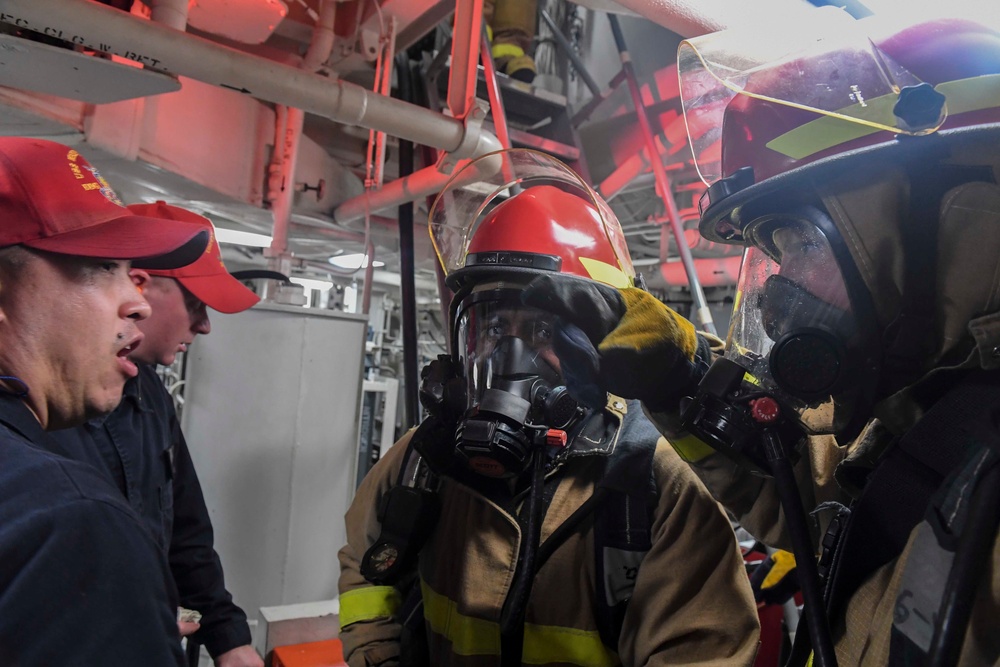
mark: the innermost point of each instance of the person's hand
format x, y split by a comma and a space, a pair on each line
623, 341
241, 656
188, 627
188, 621
442, 389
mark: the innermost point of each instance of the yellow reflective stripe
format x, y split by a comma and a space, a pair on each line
690, 448
506, 50
828, 131
605, 273
468, 635
973, 94
543, 644
550, 644
963, 95
367, 604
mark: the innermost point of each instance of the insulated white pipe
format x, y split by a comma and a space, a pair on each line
110, 30
421, 183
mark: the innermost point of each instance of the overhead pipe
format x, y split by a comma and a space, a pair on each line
421, 183
110, 30
702, 313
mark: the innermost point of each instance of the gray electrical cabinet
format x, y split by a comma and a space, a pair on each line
271, 407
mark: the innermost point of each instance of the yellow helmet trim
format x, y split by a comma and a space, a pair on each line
605, 273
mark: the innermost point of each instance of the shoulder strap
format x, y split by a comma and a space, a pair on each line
623, 522
407, 515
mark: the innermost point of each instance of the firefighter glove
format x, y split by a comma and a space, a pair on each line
775, 580
623, 341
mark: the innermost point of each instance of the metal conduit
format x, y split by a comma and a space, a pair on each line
110, 30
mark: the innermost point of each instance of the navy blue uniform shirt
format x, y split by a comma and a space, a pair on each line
81, 580
140, 448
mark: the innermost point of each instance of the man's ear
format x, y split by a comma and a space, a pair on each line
140, 278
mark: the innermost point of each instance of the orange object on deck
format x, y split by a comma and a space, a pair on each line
327, 653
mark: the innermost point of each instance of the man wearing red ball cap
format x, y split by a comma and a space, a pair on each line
81, 579
141, 448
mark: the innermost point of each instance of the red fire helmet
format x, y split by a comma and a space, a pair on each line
763, 105
516, 213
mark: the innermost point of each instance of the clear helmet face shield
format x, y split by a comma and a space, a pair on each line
794, 328
506, 346
515, 393
824, 70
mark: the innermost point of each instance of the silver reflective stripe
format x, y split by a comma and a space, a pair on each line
621, 567
922, 588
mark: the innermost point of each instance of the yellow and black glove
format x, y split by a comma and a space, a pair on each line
775, 580
623, 341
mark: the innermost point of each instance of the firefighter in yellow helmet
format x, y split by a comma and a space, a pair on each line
860, 173
517, 525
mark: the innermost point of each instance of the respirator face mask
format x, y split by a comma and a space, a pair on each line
794, 329
515, 394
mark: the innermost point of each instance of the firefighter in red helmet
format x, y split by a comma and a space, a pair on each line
533, 527
856, 161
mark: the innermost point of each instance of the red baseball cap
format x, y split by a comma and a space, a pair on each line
52, 199
206, 278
